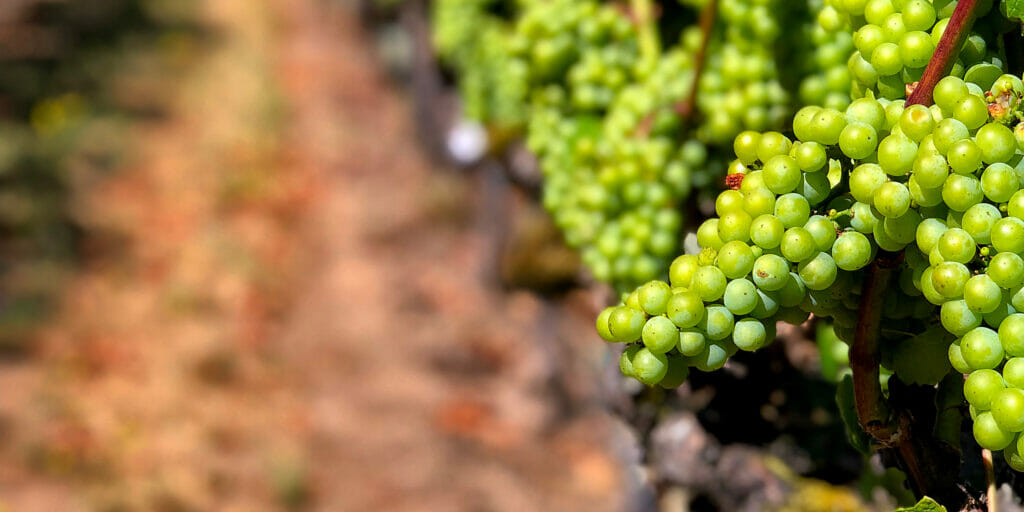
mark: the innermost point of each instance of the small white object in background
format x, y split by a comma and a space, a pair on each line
690, 245
467, 142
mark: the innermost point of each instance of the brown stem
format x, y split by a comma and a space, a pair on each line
946, 52
865, 357
897, 431
707, 28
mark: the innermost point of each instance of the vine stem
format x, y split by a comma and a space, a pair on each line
946, 52
707, 28
990, 479
647, 32
894, 429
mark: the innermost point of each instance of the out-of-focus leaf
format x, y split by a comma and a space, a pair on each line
1014, 9
925, 505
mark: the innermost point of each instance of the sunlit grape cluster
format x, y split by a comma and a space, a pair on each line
895, 39
941, 186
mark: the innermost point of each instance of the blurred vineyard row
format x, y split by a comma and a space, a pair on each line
75, 78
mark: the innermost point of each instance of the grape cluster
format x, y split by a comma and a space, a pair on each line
740, 86
827, 81
615, 188
472, 41
895, 39
943, 186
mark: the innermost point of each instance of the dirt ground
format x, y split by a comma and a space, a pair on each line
293, 315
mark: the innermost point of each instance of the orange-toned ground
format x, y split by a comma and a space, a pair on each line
289, 313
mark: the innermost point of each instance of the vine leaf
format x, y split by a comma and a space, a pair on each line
1014, 9
925, 505
848, 412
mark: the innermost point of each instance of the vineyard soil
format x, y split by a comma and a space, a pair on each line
270, 318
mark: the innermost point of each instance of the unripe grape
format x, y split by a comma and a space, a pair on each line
981, 387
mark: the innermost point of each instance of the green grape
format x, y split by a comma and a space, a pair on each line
712, 358
972, 111
981, 348
892, 199
793, 210
822, 230
770, 272
626, 360
735, 259
1006, 269
948, 132
996, 141
865, 180
896, 154
1013, 372
677, 373
751, 334
707, 234
956, 245
819, 272
1011, 335
649, 367
1008, 409
948, 91
811, 157
709, 282
660, 335
759, 202
916, 122
958, 318
682, 270
928, 233
685, 309
798, 245
964, 156
717, 323
902, 229
930, 170
1008, 235
851, 251
858, 140
625, 324
864, 217
602, 324
956, 359
978, 221
982, 294
981, 387
782, 174
734, 226
654, 297
691, 342
989, 435
745, 146
961, 192
766, 231
949, 279
999, 182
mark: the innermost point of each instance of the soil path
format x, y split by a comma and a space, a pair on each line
295, 318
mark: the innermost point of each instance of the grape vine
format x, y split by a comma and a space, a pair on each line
890, 203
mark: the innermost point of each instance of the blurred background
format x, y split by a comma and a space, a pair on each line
252, 259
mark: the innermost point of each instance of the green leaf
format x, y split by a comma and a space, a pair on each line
925, 505
848, 412
1014, 9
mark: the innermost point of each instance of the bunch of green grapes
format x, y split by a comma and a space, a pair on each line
827, 81
941, 185
473, 42
613, 183
895, 39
